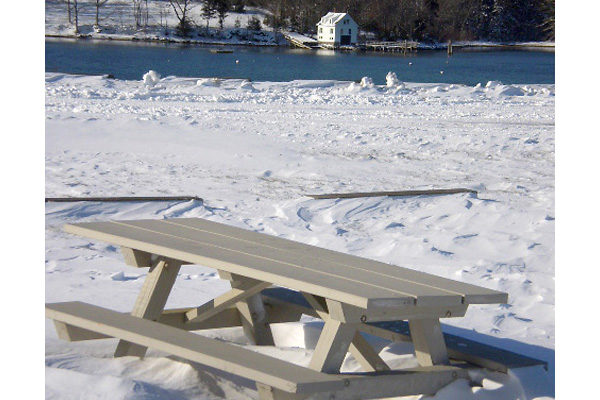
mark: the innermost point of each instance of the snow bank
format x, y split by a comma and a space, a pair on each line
151, 78
253, 155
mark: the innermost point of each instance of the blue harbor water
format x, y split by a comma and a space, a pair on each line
125, 60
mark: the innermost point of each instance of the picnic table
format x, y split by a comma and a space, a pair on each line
277, 280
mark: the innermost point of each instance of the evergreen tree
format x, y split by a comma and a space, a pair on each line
209, 10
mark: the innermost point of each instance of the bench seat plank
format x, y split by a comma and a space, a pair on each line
214, 353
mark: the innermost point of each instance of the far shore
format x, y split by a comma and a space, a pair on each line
548, 46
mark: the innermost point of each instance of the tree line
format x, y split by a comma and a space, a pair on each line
425, 20
421, 20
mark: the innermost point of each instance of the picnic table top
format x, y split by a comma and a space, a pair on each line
349, 279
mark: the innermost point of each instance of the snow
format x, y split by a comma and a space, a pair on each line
253, 151
117, 23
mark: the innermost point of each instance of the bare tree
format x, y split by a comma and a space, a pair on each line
76, 14
99, 4
182, 8
69, 11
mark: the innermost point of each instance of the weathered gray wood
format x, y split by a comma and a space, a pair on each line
253, 314
266, 392
266, 371
352, 314
176, 318
235, 295
428, 339
136, 258
459, 348
332, 346
74, 334
362, 351
237, 262
255, 321
422, 293
407, 382
151, 300
211, 352
359, 348
397, 193
122, 199
244, 253
472, 294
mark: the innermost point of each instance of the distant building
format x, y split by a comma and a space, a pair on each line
337, 29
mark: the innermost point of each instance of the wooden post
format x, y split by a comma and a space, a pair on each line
151, 301
450, 47
253, 314
428, 339
332, 346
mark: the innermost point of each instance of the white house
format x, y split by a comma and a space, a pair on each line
337, 29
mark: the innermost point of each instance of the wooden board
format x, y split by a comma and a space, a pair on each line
472, 294
398, 193
346, 278
211, 352
459, 348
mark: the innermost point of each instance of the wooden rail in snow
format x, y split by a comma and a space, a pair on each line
123, 198
425, 192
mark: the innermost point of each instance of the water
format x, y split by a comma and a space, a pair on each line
127, 60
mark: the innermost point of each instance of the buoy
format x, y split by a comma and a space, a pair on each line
441, 72
237, 61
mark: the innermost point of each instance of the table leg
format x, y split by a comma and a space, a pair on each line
428, 339
151, 301
332, 346
253, 314
359, 347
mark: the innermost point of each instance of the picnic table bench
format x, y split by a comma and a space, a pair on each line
350, 294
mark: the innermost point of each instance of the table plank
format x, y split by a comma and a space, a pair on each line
472, 294
278, 273
424, 294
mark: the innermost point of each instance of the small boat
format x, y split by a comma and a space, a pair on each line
221, 51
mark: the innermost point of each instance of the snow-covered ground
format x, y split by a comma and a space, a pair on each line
253, 150
117, 22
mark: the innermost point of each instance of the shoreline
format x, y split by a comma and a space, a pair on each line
538, 46
120, 38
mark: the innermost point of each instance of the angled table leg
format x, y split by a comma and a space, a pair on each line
253, 314
359, 347
151, 301
332, 346
428, 339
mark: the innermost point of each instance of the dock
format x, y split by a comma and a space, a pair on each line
392, 47
298, 40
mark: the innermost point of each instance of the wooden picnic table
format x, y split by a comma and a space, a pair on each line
345, 291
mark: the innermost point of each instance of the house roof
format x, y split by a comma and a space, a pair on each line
331, 18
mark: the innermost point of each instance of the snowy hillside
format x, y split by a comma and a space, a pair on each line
253, 150
117, 21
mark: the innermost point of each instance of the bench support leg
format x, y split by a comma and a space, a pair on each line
151, 301
332, 346
428, 339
